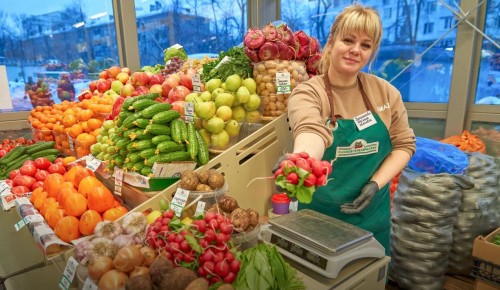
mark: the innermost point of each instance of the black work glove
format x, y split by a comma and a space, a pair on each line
363, 200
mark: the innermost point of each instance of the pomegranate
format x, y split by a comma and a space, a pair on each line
177, 93
251, 54
268, 50
168, 84
254, 38
312, 63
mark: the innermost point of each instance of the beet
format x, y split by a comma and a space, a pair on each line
268, 50
254, 38
251, 54
302, 42
282, 50
312, 63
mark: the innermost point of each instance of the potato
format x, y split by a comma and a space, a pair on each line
203, 187
189, 180
215, 179
240, 219
198, 284
177, 279
225, 287
159, 268
228, 204
254, 217
203, 176
142, 282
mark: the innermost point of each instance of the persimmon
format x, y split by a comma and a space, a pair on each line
53, 215
81, 174
75, 204
94, 124
114, 213
87, 184
71, 174
66, 189
67, 229
52, 184
100, 199
36, 193
40, 200
88, 221
50, 201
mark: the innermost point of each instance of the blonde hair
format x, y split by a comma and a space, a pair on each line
353, 18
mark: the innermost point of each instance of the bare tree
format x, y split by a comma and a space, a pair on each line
292, 13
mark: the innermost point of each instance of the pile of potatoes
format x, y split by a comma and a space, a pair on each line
264, 74
243, 220
203, 180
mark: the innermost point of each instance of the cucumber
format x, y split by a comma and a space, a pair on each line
129, 122
183, 129
13, 154
142, 123
169, 146
141, 145
157, 129
149, 112
174, 156
175, 130
134, 157
129, 101
44, 153
147, 170
40, 146
165, 117
146, 153
138, 166
203, 154
192, 141
140, 105
160, 138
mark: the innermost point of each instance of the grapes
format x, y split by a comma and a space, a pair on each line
174, 65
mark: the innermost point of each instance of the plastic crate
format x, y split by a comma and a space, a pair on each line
486, 270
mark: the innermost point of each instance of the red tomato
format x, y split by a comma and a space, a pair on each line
9, 182
28, 169
5, 141
2, 152
24, 180
41, 174
36, 184
59, 160
21, 140
42, 163
14, 173
20, 190
29, 162
57, 168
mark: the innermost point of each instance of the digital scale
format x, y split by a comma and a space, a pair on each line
319, 242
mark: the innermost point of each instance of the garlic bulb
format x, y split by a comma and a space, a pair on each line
107, 229
134, 222
101, 247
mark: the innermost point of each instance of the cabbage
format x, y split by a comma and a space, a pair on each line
174, 50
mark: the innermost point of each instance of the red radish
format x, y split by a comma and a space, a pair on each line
222, 268
293, 178
293, 157
310, 180
304, 155
268, 50
321, 180
327, 165
254, 38
278, 172
304, 164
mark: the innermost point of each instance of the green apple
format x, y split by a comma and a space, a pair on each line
190, 97
213, 84
206, 96
232, 128
224, 112
250, 84
215, 125
220, 139
206, 136
239, 113
243, 95
233, 82
254, 116
204, 110
253, 103
116, 86
217, 92
224, 99
223, 86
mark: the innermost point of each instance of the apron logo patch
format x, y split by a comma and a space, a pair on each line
357, 148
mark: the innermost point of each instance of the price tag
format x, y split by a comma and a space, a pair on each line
71, 145
189, 111
20, 224
196, 80
179, 201
89, 285
92, 162
176, 46
8, 200
4, 186
118, 181
294, 206
200, 208
283, 85
68, 274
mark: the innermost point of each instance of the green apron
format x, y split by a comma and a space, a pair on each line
360, 154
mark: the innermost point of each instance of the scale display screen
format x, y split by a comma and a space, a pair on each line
299, 251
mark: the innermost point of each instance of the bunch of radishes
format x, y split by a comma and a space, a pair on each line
299, 174
204, 246
32, 174
279, 42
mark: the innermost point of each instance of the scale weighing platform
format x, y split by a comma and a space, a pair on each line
319, 242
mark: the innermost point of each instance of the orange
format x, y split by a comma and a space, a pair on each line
88, 221
75, 131
69, 120
85, 114
52, 184
94, 124
75, 204
67, 228
114, 213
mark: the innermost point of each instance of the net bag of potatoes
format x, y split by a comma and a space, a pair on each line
275, 81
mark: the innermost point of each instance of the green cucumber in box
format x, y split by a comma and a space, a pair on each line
150, 111
157, 129
169, 146
141, 105
141, 122
160, 138
165, 117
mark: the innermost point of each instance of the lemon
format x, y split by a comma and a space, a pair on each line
152, 216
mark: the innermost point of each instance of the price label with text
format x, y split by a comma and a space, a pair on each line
196, 79
189, 111
4, 186
118, 181
283, 84
179, 201
92, 162
89, 285
68, 274
200, 208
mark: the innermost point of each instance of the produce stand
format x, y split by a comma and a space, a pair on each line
18, 251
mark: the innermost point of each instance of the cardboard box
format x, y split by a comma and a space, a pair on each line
484, 249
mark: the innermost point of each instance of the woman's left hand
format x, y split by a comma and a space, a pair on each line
365, 197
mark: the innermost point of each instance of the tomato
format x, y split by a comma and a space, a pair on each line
41, 174
14, 173
59, 160
36, 184
5, 141
29, 162
20, 190
42, 163
28, 169
24, 180
2, 152
57, 168
21, 140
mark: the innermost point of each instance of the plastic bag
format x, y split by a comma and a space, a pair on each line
436, 157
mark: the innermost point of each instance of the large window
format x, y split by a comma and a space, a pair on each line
201, 27
409, 57
50, 50
488, 84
